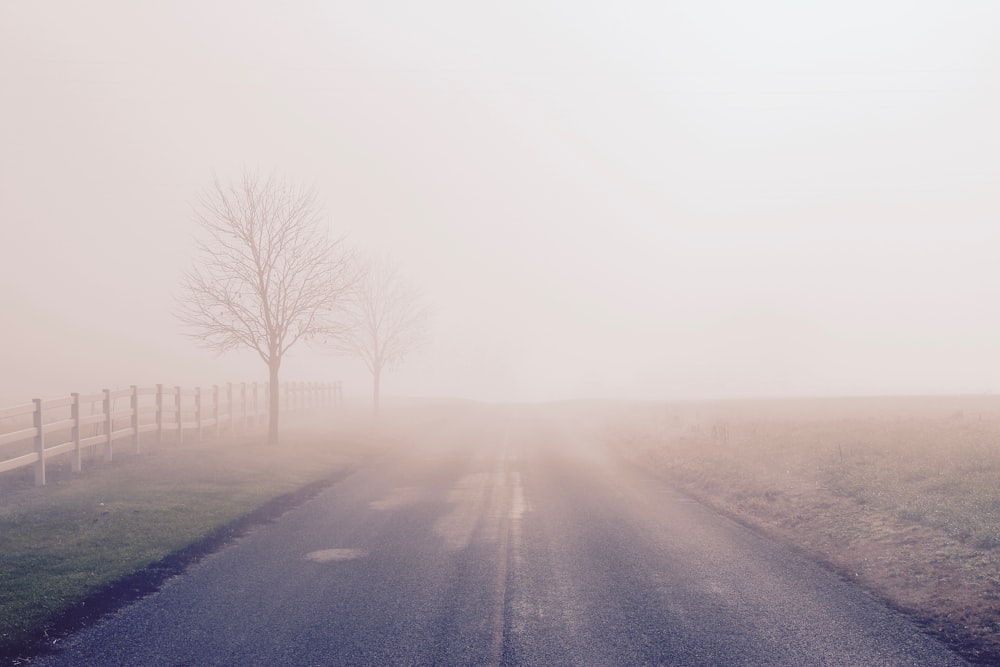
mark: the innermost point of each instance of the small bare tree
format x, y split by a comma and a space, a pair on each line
266, 275
387, 322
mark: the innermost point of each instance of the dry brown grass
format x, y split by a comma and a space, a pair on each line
902, 496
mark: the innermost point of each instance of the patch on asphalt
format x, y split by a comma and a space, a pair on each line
468, 499
329, 555
400, 497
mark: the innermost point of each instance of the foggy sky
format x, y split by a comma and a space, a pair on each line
662, 200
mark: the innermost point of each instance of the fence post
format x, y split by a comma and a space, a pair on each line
253, 402
243, 406
36, 420
109, 424
134, 404
215, 408
197, 411
267, 403
178, 415
159, 414
229, 405
74, 432
287, 405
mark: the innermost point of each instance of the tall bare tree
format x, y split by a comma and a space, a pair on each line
387, 322
266, 275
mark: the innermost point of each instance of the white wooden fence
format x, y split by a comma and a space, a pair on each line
81, 421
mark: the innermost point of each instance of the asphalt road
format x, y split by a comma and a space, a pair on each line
502, 537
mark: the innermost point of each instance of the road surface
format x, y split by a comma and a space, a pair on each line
500, 536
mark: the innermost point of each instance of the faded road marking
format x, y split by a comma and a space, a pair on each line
518, 505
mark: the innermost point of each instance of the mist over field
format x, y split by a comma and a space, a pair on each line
663, 201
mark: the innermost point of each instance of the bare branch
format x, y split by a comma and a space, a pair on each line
266, 274
386, 320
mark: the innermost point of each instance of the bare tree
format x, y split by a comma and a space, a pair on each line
387, 322
266, 276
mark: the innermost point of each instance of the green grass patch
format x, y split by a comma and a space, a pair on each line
64, 542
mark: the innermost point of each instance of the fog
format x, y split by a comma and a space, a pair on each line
649, 200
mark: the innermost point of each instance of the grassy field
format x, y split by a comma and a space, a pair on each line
900, 495
63, 543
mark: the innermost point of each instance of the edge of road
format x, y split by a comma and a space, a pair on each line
151, 578
973, 652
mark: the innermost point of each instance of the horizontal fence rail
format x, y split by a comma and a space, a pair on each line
36, 432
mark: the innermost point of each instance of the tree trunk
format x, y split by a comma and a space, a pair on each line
274, 396
376, 389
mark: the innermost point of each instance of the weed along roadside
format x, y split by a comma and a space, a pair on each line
88, 542
903, 504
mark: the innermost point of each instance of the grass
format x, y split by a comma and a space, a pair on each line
67, 541
901, 496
